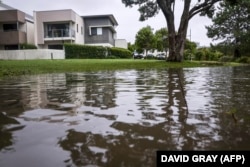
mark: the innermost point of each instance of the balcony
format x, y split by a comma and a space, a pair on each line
59, 34
12, 37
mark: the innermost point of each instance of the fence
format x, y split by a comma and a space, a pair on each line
31, 54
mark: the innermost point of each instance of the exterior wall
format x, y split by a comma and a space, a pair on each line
79, 39
30, 33
12, 16
31, 54
12, 37
121, 43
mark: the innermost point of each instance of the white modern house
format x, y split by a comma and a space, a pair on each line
54, 28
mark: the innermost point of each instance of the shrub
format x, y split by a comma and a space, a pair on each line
188, 55
119, 53
84, 51
198, 55
243, 59
226, 59
94, 52
25, 46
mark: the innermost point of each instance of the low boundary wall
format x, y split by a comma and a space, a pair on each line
31, 54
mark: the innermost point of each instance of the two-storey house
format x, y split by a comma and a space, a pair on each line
16, 28
53, 28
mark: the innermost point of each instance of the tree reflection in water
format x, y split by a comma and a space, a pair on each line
6, 137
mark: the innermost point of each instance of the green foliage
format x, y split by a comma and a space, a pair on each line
206, 54
75, 51
226, 59
231, 24
225, 48
119, 53
161, 40
191, 46
25, 46
145, 39
131, 47
243, 60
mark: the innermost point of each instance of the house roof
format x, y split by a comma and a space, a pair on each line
7, 7
110, 16
27, 16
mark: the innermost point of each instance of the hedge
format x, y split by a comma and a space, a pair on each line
27, 46
119, 53
76, 51
84, 52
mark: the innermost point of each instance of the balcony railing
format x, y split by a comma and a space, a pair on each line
59, 33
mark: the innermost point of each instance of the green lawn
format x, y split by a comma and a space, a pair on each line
26, 67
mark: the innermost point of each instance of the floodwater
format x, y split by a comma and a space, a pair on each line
121, 118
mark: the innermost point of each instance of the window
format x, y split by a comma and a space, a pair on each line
99, 31
57, 47
56, 30
10, 27
96, 31
11, 47
76, 27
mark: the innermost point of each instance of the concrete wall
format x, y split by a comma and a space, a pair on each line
31, 54
121, 43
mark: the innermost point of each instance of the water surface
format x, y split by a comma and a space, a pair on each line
120, 118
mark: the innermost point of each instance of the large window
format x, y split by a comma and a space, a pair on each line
96, 31
57, 30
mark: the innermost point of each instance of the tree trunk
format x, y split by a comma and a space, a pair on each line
176, 39
176, 47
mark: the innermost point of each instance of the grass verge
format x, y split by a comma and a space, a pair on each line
28, 67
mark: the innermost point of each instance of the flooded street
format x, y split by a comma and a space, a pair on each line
121, 118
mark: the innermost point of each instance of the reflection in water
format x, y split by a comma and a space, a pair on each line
6, 127
120, 118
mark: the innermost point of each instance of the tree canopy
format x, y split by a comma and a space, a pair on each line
144, 39
161, 42
232, 24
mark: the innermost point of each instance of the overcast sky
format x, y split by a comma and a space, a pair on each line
127, 18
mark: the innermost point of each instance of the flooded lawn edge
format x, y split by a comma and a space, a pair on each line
30, 67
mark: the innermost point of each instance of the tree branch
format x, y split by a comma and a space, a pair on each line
207, 4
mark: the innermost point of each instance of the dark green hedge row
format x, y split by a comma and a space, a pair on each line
84, 52
27, 46
119, 53
76, 51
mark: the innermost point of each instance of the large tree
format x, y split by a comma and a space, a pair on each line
144, 39
176, 37
232, 24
